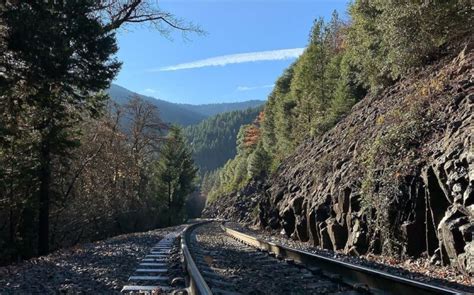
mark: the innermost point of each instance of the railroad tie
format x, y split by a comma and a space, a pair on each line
151, 272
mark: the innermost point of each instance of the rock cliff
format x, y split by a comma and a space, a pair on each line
396, 176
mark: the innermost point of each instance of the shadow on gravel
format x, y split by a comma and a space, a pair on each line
49, 278
93, 268
248, 271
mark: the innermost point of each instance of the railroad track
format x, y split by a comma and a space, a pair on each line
221, 260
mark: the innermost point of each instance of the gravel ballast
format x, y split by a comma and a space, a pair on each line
420, 269
231, 267
101, 267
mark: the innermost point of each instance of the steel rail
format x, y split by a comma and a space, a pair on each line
378, 282
197, 284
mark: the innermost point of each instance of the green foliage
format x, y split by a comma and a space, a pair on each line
283, 122
312, 95
175, 174
388, 38
308, 99
258, 162
238, 171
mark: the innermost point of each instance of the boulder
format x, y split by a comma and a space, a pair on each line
325, 240
449, 233
288, 221
413, 233
357, 239
302, 228
337, 233
465, 261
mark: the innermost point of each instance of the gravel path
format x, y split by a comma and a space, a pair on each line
102, 267
420, 269
230, 267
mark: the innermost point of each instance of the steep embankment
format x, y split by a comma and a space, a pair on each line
396, 176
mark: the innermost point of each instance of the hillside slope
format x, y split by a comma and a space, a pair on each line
396, 176
213, 140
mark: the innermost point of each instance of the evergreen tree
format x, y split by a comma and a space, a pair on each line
176, 173
316, 77
258, 162
54, 70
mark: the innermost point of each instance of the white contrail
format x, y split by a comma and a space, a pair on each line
223, 60
247, 88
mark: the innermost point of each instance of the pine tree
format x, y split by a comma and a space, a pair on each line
258, 163
176, 172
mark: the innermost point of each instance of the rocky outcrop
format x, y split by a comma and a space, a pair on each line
396, 176
241, 206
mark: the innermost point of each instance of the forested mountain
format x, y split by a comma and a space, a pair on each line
169, 112
213, 140
311, 96
182, 114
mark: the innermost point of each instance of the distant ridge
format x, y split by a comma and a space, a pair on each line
182, 114
169, 112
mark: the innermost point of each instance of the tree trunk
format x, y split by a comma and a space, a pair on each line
169, 203
44, 198
11, 202
11, 228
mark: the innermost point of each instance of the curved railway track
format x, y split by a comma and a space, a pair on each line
220, 260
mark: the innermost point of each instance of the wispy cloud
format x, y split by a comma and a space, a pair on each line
248, 88
281, 54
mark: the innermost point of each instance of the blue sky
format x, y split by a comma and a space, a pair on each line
247, 46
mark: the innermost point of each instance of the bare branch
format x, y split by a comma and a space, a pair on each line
118, 13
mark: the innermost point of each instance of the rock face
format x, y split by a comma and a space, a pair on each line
396, 176
241, 206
